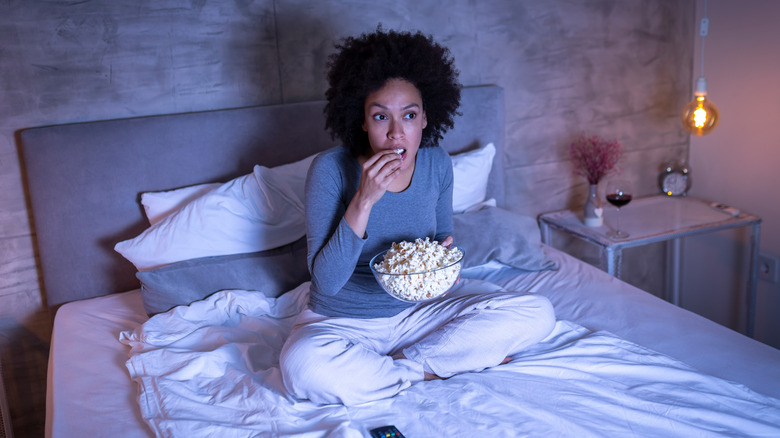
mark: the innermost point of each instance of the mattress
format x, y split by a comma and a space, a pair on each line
620, 362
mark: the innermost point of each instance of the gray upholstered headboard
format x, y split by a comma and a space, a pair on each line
85, 179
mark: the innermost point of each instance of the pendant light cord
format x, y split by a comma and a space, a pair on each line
703, 31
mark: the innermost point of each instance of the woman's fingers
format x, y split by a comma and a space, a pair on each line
382, 166
382, 159
377, 174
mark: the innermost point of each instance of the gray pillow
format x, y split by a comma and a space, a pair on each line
497, 234
271, 272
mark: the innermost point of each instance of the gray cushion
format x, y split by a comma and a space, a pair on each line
497, 234
271, 272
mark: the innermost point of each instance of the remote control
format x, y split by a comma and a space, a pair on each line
386, 432
725, 208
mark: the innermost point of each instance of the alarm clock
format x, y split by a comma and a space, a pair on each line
675, 180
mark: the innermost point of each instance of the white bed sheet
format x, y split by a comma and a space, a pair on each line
598, 301
90, 392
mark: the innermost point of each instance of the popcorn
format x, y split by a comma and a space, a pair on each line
420, 262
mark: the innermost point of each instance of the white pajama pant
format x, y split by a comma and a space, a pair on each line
348, 360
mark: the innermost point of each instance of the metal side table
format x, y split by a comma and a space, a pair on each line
656, 219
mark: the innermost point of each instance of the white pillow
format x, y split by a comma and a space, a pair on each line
470, 177
295, 175
158, 205
470, 173
251, 213
259, 211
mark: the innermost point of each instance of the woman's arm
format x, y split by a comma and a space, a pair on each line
335, 226
378, 171
333, 248
444, 226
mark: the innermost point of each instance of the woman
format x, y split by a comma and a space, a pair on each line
392, 95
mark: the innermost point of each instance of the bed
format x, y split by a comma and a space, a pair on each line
176, 193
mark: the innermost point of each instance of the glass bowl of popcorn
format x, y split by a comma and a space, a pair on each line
417, 271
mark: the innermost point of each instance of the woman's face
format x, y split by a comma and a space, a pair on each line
394, 119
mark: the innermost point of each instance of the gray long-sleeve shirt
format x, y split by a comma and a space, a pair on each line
342, 282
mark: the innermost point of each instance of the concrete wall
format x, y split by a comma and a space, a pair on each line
621, 69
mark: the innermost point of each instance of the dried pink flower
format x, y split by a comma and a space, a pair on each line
594, 157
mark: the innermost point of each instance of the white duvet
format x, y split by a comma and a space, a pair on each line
211, 370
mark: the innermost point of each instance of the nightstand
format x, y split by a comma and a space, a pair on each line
658, 219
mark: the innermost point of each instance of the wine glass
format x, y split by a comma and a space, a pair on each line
618, 194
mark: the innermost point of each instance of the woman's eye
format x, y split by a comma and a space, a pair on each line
380, 117
411, 115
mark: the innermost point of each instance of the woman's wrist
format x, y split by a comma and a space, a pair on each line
362, 203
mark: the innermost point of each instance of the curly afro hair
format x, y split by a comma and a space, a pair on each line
364, 64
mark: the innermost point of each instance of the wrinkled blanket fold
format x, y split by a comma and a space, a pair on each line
211, 369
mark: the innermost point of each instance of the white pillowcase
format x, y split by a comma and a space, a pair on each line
259, 211
159, 205
295, 175
470, 173
251, 213
470, 177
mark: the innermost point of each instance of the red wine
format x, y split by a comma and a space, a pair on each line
618, 200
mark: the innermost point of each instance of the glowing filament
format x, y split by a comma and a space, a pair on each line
700, 117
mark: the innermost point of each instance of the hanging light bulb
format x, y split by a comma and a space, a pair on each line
700, 116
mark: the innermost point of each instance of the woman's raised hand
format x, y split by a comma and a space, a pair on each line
378, 172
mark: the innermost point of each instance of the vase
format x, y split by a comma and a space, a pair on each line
594, 213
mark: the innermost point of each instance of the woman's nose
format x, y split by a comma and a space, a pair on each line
396, 131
